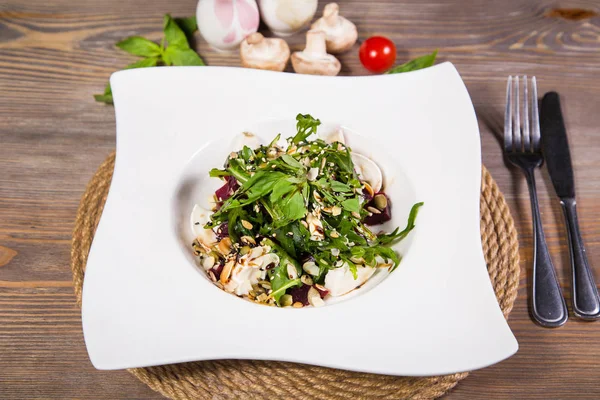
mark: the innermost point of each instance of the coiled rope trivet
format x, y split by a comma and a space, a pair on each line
238, 379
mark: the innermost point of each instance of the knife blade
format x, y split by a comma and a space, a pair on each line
555, 146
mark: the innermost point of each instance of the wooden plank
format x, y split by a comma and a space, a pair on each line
55, 55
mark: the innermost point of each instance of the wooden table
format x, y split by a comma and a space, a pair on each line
54, 55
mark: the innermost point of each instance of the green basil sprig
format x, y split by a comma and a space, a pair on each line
413, 65
174, 49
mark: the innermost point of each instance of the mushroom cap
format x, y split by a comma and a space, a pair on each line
314, 60
341, 34
259, 52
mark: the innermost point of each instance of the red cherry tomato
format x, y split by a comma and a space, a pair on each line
377, 54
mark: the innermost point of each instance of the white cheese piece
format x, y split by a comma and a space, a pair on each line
340, 281
334, 136
198, 219
242, 278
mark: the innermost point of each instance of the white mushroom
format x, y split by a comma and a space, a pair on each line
368, 171
341, 33
200, 217
340, 280
259, 52
314, 60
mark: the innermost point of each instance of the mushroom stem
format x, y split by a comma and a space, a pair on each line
315, 43
255, 38
331, 13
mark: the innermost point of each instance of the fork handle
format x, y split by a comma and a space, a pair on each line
586, 302
548, 304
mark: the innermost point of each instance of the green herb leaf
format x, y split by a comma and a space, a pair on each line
410, 225
173, 33
340, 187
306, 125
413, 65
174, 55
280, 189
292, 162
139, 46
293, 207
188, 25
351, 205
106, 97
145, 63
280, 282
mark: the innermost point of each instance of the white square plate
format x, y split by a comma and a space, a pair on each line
146, 303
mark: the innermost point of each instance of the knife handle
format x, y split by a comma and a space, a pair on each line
548, 304
586, 302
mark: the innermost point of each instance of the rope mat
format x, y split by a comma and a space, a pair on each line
243, 379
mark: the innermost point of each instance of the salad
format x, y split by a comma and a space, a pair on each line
292, 223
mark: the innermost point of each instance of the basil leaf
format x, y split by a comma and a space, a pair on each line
416, 64
139, 46
145, 63
188, 25
106, 97
173, 33
174, 55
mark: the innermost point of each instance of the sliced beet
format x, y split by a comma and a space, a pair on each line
228, 189
300, 293
217, 269
323, 291
385, 213
223, 231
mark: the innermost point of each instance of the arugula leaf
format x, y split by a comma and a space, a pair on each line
280, 189
351, 205
306, 125
278, 276
139, 46
410, 225
340, 187
416, 64
293, 207
188, 25
292, 162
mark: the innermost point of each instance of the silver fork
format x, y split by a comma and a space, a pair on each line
522, 147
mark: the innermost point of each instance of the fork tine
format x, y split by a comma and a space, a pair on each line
526, 137
517, 119
508, 117
535, 117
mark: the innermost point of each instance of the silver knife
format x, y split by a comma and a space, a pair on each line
586, 302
